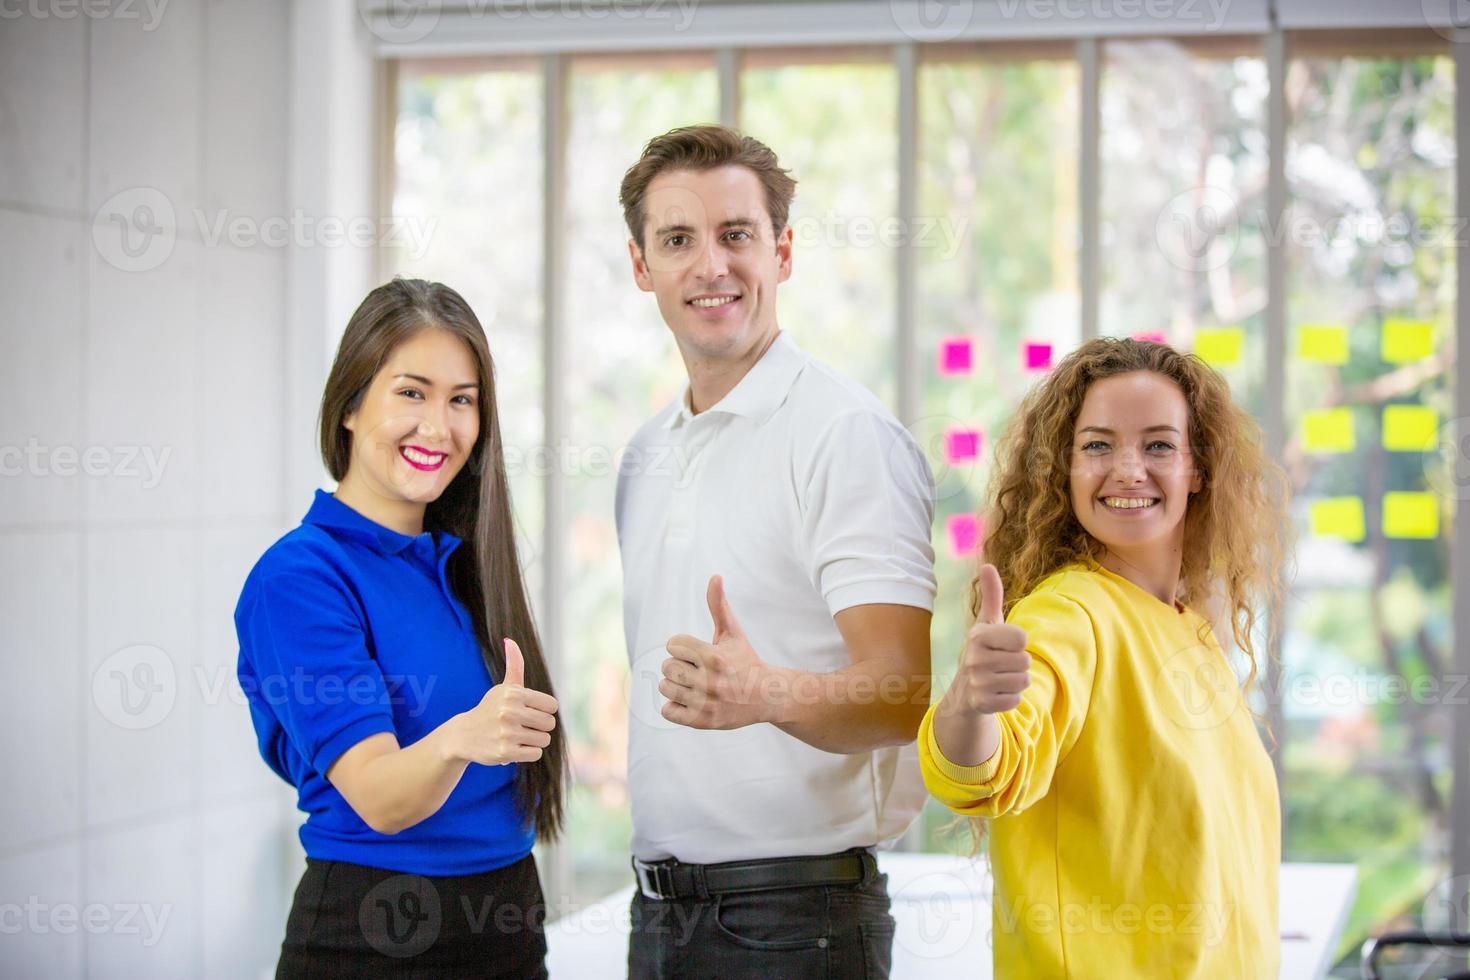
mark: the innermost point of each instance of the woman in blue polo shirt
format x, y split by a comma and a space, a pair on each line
393, 670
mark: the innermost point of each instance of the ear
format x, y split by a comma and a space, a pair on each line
640, 268
1196, 480
783, 253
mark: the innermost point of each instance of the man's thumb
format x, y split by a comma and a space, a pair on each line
992, 596
515, 664
719, 609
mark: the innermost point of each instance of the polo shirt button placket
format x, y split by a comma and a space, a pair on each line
686, 470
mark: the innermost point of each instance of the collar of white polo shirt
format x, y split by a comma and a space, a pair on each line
757, 395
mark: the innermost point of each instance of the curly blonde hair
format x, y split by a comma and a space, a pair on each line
1236, 526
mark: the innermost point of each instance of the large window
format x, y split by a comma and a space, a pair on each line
1185, 242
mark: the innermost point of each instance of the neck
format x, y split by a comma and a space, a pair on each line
1154, 569
403, 516
711, 379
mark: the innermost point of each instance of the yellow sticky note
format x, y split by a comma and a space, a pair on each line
1328, 430
1219, 346
1410, 515
1405, 341
1409, 428
1338, 517
1326, 343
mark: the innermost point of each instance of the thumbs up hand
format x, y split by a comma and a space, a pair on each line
722, 684
512, 722
995, 667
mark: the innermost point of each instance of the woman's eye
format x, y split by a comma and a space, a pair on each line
409, 391
1094, 446
1160, 446
465, 399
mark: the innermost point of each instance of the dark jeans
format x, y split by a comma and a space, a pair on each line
354, 922
836, 931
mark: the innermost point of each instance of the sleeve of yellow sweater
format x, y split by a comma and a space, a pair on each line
1036, 734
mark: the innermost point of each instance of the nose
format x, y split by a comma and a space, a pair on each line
1128, 466
434, 420
710, 263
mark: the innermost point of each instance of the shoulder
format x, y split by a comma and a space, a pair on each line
822, 395
1071, 597
304, 558
652, 431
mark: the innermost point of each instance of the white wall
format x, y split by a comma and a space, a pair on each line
206, 356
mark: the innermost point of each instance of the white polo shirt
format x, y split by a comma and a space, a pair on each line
809, 497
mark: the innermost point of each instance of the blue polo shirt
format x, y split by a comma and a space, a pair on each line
347, 629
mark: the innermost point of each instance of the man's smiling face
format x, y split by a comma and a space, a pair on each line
712, 260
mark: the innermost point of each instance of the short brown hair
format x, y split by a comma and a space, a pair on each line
705, 148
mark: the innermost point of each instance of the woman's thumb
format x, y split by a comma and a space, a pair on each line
992, 596
515, 664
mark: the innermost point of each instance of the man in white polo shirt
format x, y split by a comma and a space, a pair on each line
779, 581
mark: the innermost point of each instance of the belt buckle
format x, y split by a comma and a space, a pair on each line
650, 881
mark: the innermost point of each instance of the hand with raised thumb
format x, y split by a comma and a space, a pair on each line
512, 722
994, 667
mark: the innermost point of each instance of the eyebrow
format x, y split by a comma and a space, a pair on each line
1110, 432
425, 381
724, 226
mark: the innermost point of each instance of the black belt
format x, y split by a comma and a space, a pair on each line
675, 879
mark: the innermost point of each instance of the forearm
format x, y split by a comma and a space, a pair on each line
869, 705
966, 738
406, 786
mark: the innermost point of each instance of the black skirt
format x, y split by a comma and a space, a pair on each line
352, 921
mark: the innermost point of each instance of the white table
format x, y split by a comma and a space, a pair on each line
942, 906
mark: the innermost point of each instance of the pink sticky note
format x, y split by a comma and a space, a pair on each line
963, 531
1038, 356
1151, 338
956, 356
962, 445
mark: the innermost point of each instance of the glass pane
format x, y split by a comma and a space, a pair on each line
622, 367
998, 180
1370, 171
460, 140
833, 127
1184, 167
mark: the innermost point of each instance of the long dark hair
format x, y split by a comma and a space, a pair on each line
475, 507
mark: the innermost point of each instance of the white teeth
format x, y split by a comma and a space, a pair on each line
1129, 503
419, 457
711, 303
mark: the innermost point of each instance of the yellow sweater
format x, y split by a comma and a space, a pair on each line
1138, 825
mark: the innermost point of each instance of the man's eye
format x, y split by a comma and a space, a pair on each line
676, 241
739, 236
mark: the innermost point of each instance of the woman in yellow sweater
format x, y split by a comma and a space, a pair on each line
1095, 727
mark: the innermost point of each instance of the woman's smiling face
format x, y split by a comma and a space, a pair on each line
1132, 467
418, 420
